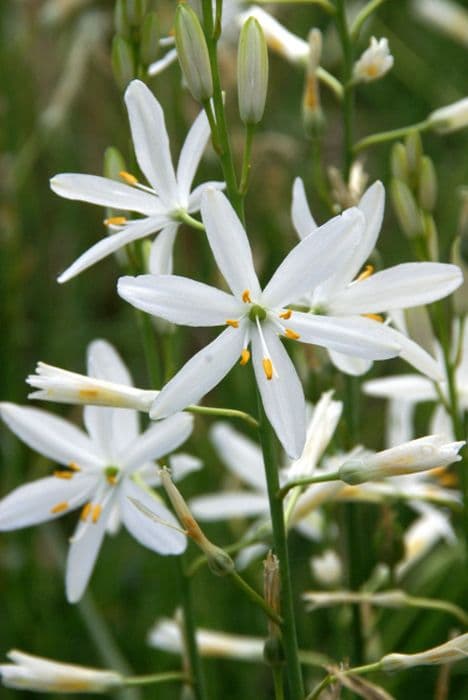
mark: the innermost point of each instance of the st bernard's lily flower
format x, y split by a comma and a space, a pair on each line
349, 291
374, 62
255, 317
164, 204
97, 473
454, 650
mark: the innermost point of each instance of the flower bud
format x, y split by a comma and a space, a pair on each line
460, 295
450, 118
121, 23
192, 53
149, 41
311, 108
374, 63
406, 209
136, 10
399, 163
123, 61
427, 190
252, 72
410, 457
114, 163
271, 589
454, 650
414, 152
29, 672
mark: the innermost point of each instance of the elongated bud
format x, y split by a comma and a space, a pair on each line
414, 152
410, 457
121, 23
427, 191
252, 72
192, 53
273, 652
454, 650
460, 296
406, 209
450, 118
123, 61
149, 41
311, 107
114, 163
399, 163
136, 10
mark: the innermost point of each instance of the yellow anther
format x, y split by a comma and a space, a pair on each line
374, 317
245, 357
446, 478
286, 314
115, 221
86, 511
96, 512
367, 272
128, 178
291, 334
267, 368
74, 467
112, 480
59, 507
88, 393
246, 297
63, 474
232, 322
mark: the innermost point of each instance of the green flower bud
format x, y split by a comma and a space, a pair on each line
136, 10
427, 189
459, 256
252, 72
123, 61
121, 23
192, 53
149, 41
114, 163
406, 209
399, 163
432, 237
414, 151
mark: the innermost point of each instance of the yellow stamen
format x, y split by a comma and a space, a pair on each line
246, 297
128, 178
245, 357
63, 474
86, 511
96, 512
74, 467
367, 272
88, 393
445, 477
59, 507
267, 368
291, 334
286, 314
232, 322
112, 480
374, 317
115, 221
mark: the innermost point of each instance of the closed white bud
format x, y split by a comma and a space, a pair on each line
192, 53
252, 72
450, 118
406, 209
29, 672
374, 63
454, 650
415, 456
312, 110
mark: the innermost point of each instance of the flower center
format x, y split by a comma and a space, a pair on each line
112, 474
257, 312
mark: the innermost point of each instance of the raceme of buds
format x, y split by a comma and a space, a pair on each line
311, 108
252, 72
374, 63
417, 455
123, 61
29, 672
407, 211
427, 188
454, 650
192, 53
450, 118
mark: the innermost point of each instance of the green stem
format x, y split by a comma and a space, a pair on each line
293, 669
223, 412
348, 97
361, 17
330, 81
331, 678
246, 165
255, 597
190, 221
318, 479
190, 638
149, 348
391, 135
167, 677
278, 682
324, 4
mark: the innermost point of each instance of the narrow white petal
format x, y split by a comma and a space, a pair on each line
157, 537
150, 140
180, 300
182, 464
110, 244
105, 192
196, 196
411, 387
227, 505
50, 435
160, 439
399, 287
355, 366
399, 426
160, 65
32, 503
302, 219
441, 423
314, 258
191, 153
240, 454
200, 374
353, 336
250, 554
415, 355
229, 243
282, 396
104, 362
161, 255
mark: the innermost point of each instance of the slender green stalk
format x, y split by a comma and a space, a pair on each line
255, 597
223, 412
278, 682
361, 17
293, 669
348, 97
391, 135
196, 672
324, 4
167, 677
190, 221
331, 82
331, 678
246, 164
317, 479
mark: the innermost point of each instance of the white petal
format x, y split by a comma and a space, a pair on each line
250, 554
353, 335
227, 505
240, 454
132, 232
158, 537
182, 464
441, 423
399, 427
50, 435
106, 192
348, 364
160, 65
411, 387
229, 243
195, 198
180, 300
160, 259
150, 140
314, 258
160, 439
399, 287
191, 153
302, 219
200, 374
104, 362
415, 355
282, 396
32, 503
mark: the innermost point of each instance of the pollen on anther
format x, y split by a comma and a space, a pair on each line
96, 512
374, 317
74, 467
245, 357
367, 272
268, 368
246, 297
115, 221
86, 511
63, 474
128, 178
289, 333
286, 314
232, 322
59, 507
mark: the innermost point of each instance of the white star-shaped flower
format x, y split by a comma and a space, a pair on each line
255, 317
375, 62
348, 293
98, 473
163, 204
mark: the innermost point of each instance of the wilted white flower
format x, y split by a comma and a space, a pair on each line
450, 118
374, 62
454, 650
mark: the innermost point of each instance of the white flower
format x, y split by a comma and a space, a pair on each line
348, 293
454, 650
450, 118
97, 473
374, 62
327, 568
449, 17
257, 317
160, 205
28, 672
